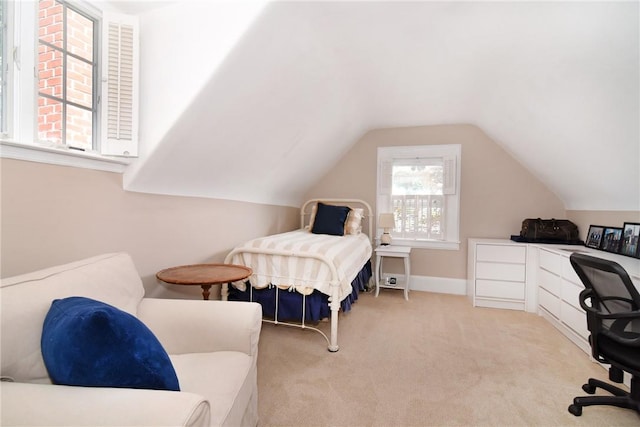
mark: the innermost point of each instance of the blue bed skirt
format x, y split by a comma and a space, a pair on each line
289, 303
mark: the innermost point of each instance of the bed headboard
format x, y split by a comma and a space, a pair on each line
367, 221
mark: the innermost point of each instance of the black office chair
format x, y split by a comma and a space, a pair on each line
612, 304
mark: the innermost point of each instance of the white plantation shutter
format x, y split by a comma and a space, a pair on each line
385, 177
450, 174
120, 36
385, 182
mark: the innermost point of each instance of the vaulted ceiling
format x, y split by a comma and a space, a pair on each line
256, 102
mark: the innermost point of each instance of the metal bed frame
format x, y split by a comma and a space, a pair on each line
334, 302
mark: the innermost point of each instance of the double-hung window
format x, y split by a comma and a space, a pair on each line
420, 185
69, 81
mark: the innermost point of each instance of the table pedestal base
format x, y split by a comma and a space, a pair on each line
205, 291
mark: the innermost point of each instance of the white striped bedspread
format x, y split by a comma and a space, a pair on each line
348, 254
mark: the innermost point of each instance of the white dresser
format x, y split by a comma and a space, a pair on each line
559, 288
536, 278
497, 273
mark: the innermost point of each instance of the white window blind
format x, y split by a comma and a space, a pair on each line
120, 86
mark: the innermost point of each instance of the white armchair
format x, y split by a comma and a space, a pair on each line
213, 346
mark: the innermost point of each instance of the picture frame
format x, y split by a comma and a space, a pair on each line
630, 239
611, 239
594, 237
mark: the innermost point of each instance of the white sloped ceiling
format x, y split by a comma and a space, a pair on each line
256, 102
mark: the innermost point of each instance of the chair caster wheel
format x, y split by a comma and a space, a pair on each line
588, 388
575, 410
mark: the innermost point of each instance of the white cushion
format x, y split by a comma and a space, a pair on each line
226, 379
26, 299
25, 404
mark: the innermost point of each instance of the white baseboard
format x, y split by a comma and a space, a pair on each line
441, 285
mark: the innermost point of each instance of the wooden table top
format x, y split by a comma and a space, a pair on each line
204, 274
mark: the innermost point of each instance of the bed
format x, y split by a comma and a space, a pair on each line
308, 275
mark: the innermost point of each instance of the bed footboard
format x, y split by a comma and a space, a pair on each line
334, 298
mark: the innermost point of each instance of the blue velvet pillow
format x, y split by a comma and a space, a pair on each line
330, 219
90, 343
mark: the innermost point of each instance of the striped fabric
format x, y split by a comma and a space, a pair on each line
295, 265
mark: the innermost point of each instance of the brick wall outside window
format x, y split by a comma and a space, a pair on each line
77, 121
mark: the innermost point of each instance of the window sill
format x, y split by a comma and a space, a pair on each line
62, 157
424, 244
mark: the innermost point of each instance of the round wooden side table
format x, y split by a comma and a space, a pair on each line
204, 275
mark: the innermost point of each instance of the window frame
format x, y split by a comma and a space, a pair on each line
451, 155
20, 142
6, 41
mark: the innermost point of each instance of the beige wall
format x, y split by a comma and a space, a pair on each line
497, 192
583, 219
55, 214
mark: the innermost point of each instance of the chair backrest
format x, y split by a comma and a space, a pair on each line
610, 291
612, 287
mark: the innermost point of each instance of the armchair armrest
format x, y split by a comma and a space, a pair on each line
55, 405
198, 326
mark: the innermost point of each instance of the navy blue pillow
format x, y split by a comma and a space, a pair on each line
89, 343
330, 219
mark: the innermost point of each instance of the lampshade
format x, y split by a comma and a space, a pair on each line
386, 220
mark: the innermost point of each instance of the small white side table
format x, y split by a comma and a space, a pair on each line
395, 252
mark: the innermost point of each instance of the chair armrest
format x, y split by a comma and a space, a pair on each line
587, 294
54, 405
629, 315
198, 326
616, 330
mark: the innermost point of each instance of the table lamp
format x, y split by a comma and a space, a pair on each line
387, 222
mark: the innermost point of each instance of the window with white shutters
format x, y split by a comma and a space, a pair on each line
69, 84
420, 186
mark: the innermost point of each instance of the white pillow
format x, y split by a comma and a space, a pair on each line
353, 224
312, 217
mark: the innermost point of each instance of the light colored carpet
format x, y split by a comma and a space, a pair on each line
431, 361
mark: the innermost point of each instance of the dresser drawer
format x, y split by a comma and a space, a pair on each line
571, 293
550, 262
569, 273
500, 289
501, 253
575, 319
549, 281
549, 302
500, 271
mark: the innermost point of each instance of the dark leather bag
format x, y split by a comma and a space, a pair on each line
549, 230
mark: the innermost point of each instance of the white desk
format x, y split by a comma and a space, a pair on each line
394, 252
